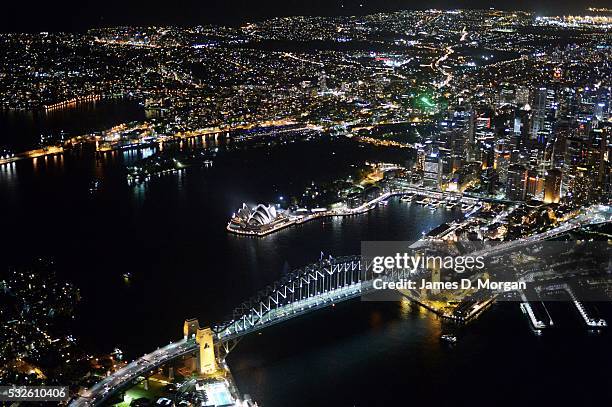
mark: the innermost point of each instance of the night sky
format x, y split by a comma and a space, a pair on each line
72, 15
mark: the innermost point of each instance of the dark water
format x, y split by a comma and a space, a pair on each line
22, 130
388, 354
169, 233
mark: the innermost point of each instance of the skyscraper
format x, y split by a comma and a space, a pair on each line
534, 184
552, 186
521, 96
539, 112
544, 114
432, 171
516, 183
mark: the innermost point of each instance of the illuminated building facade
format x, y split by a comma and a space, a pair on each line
552, 186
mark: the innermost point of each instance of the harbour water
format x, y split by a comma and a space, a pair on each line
22, 130
169, 234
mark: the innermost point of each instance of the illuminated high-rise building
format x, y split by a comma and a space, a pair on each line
433, 170
539, 111
534, 184
488, 156
488, 180
598, 154
521, 96
544, 109
520, 128
559, 150
580, 185
516, 182
505, 95
420, 161
552, 186
502, 162
483, 130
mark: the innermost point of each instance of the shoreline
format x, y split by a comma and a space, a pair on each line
33, 154
368, 206
364, 208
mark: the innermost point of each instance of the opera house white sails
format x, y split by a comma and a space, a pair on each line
258, 220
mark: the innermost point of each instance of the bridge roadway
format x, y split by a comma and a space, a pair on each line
123, 377
350, 282
299, 308
147, 363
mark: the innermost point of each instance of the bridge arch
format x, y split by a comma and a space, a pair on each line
303, 290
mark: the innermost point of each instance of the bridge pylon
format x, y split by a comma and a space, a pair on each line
207, 358
204, 337
190, 328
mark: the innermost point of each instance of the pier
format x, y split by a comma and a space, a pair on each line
536, 311
585, 311
41, 152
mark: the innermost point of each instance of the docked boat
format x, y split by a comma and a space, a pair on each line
424, 201
466, 207
449, 338
94, 186
127, 277
409, 197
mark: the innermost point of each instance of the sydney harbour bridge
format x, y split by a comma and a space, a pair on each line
304, 290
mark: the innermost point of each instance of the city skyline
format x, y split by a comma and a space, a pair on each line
69, 15
264, 213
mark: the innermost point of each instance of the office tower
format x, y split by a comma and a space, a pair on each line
552, 186
516, 182
534, 184
521, 96
539, 112
432, 170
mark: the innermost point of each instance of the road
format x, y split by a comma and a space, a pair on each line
590, 216
116, 381
449, 52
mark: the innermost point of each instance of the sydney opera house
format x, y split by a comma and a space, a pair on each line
259, 220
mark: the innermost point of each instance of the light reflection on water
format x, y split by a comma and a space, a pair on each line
147, 152
170, 235
8, 173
